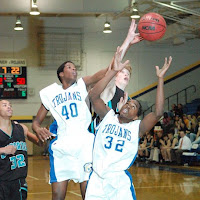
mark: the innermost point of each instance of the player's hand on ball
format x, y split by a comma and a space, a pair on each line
161, 72
118, 65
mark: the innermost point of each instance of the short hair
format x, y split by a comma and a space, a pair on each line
171, 131
129, 68
61, 68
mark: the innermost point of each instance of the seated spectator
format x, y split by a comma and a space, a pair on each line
165, 122
197, 139
184, 145
186, 121
193, 122
173, 112
180, 124
155, 150
165, 144
180, 110
145, 147
173, 142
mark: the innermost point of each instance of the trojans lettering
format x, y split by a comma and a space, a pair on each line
118, 131
67, 96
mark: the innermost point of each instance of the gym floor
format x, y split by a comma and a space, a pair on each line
151, 181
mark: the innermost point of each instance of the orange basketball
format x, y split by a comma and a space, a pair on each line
152, 26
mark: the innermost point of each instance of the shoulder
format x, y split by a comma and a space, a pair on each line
136, 122
110, 115
20, 127
81, 82
50, 88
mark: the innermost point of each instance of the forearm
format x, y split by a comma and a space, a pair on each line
101, 85
159, 107
90, 81
36, 125
33, 138
124, 47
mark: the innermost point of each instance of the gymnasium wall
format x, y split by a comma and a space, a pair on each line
98, 49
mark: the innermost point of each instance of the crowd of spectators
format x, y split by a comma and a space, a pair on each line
175, 133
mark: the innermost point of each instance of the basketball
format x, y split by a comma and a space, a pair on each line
152, 26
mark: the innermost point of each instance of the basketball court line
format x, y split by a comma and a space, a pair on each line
33, 177
74, 193
29, 193
162, 186
71, 192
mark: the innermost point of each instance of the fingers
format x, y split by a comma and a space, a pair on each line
170, 60
13, 150
125, 63
44, 134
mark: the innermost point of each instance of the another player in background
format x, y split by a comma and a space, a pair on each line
71, 151
114, 92
116, 142
13, 155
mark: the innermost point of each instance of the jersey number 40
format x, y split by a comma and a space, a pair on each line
70, 111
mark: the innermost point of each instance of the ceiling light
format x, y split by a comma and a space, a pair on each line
135, 14
107, 28
18, 25
107, 24
34, 8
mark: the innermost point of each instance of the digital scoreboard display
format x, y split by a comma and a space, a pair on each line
13, 82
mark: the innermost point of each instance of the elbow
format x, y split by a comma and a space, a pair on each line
159, 115
93, 96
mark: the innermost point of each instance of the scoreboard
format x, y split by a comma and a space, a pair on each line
13, 79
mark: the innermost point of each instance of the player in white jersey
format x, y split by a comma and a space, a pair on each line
71, 150
116, 141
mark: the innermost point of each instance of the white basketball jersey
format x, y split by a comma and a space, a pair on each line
116, 145
68, 107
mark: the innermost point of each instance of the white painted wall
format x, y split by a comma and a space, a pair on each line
98, 51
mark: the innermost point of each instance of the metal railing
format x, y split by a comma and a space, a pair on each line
176, 95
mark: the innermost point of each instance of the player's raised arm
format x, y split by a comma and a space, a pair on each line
152, 118
99, 106
131, 38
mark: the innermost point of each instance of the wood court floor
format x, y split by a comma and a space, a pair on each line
151, 181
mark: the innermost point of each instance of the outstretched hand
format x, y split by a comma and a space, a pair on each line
161, 72
118, 65
132, 36
122, 101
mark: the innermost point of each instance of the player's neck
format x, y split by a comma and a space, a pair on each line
123, 120
66, 85
5, 123
120, 86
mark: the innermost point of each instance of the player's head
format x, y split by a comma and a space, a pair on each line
5, 108
123, 77
131, 110
68, 68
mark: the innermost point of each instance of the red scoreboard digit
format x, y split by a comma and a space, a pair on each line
13, 82
21, 81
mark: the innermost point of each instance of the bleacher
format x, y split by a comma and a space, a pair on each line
191, 108
192, 157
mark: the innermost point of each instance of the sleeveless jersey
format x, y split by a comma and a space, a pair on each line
15, 166
116, 145
71, 112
